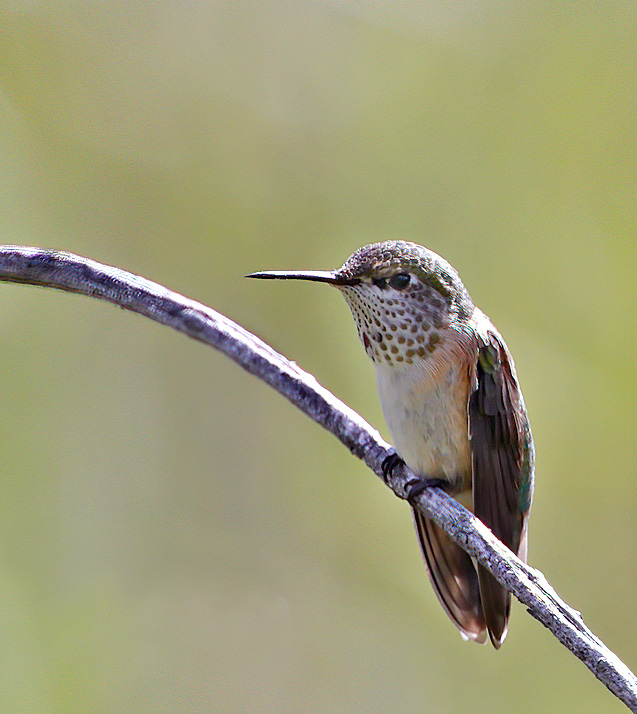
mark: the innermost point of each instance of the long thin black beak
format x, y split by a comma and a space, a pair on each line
317, 276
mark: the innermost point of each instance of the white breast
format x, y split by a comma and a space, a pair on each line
427, 418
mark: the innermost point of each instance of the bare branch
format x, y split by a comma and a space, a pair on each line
72, 273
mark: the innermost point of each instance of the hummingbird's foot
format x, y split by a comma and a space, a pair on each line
414, 487
417, 486
389, 464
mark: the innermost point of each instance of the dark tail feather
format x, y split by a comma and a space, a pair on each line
453, 577
496, 603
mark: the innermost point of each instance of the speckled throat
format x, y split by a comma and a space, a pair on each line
397, 327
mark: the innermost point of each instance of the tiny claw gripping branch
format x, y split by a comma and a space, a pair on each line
389, 464
417, 486
414, 487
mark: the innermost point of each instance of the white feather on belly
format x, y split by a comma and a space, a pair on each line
427, 418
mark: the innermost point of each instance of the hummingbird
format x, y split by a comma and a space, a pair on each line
451, 399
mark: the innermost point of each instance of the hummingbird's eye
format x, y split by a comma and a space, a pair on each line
399, 281
380, 282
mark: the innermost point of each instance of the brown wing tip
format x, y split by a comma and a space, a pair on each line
479, 636
497, 641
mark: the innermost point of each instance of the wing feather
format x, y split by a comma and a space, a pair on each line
502, 465
453, 577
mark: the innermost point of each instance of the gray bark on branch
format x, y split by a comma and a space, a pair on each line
65, 271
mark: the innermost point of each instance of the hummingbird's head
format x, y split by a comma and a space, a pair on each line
405, 299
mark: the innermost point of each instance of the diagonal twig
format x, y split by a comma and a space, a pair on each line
65, 271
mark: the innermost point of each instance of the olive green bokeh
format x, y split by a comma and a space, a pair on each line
173, 535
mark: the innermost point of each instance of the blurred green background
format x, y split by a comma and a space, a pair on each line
174, 536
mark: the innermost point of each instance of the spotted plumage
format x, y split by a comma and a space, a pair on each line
451, 399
